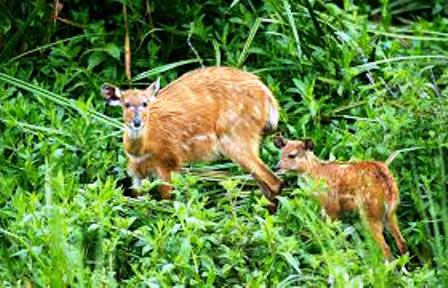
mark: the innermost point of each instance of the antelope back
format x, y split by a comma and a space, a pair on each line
227, 96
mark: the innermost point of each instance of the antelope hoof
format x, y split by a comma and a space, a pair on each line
165, 192
272, 207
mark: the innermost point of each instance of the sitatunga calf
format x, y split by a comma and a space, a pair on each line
364, 186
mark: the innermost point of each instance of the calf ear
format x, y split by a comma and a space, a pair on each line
112, 94
151, 91
309, 145
279, 141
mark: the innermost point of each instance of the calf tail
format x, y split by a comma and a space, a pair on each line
393, 194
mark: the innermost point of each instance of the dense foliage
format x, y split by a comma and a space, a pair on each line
364, 79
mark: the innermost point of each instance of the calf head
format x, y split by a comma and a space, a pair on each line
294, 153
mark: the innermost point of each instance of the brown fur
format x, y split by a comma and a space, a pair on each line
365, 186
205, 113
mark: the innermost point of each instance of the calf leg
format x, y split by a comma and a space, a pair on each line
392, 222
377, 228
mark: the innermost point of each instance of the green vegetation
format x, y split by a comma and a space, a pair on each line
363, 80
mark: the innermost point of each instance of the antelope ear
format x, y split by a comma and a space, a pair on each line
152, 90
279, 141
309, 145
112, 94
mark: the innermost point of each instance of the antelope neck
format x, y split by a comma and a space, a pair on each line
138, 158
133, 147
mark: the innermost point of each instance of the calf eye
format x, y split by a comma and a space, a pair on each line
127, 104
292, 155
144, 104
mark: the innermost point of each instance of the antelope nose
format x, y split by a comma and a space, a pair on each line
137, 123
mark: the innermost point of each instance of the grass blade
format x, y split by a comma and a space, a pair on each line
127, 45
58, 99
287, 7
163, 68
250, 38
411, 37
374, 65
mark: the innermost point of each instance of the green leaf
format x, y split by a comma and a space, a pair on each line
163, 68
113, 50
95, 59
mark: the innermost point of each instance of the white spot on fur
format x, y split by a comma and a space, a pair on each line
272, 109
200, 137
232, 116
257, 112
273, 116
185, 147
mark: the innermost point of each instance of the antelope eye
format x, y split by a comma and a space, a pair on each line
144, 104
292, 155
127, 104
